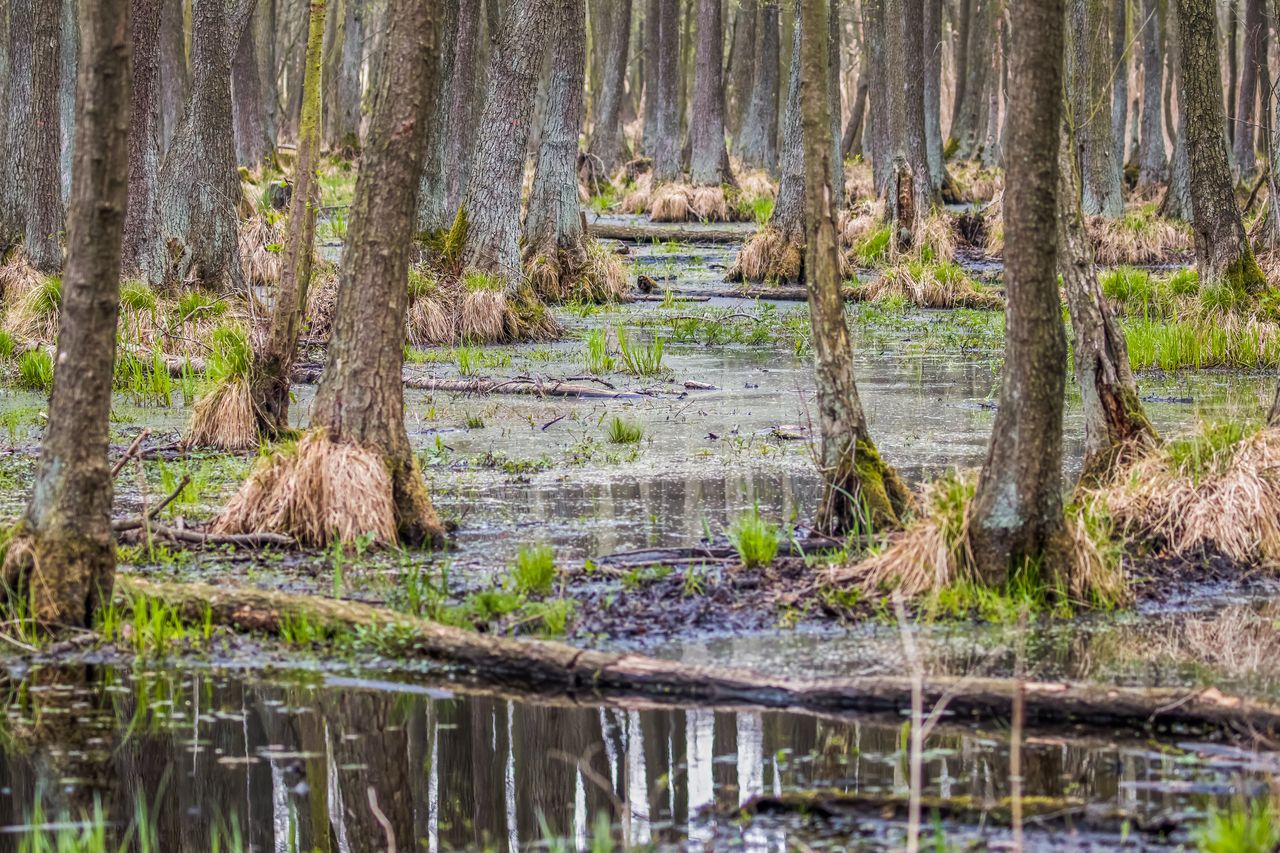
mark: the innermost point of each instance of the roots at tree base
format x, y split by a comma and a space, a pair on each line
769, 256
864, 491
57, 579
590, 273
320, 491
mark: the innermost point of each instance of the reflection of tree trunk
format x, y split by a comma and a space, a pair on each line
370, 748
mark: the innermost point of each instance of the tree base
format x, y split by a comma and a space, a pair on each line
224, 418
17, 278
320, 491
864, 493
57, 579
769, 256
592, 274
1137, 239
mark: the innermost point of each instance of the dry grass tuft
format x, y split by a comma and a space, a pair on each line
318, 492
33, 315
322, 301
224, 418
483, 318
1218, 487
1137, 237
592, 274
637, 200
670, 203
928, 285
937, 238
768, 257
709, 204
859, 183
755, 184
976, 182
260, 250
429, 321
17, 279
855, 223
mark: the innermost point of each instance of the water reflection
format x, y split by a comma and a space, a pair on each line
299, 764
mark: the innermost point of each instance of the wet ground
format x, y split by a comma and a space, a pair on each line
330, 756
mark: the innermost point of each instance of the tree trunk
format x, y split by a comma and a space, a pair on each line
67, 59
905, 31
963, 23
273, 363
492, 204
175, 71
14, 160
851, 144
1255, 24
435, 214
665, 150
1233, 69
1091, 73
248, 114
360, 399
466, 89
709, 163
263, 27
344, 46
757, 143
63, 556
1153, 162
859, 490
44, 199
997, 93
932, 62
607, 143
144, 135
1015, 520
199, 187
743, 62
834, 104
651, 62
873, 37
1222, 251
1177, 199
788, 208
1115, 425
967, 127
1119, 71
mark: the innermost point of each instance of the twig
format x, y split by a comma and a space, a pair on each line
196, 537
136, 522
128, 454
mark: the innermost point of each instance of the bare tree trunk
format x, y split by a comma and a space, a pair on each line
992, 153
67, 59
1153, 162
175, 73
873, 32
492, 203
903, 40
1233, 69
650, 74
859, 490
665, 149
360, 399
1119, 73
1176, 203
967, 127
852, 142
1016, 519
273, 363
44, 200
63, 556
606, 143
144, 135
14, 159
1222, 251
1115, 425
742, 63
963, 23
932, 59
248, 113
199, 186
434, 211
1255, 24
834, 103
1090, 105
709, 164
466, 89
757, 142
263, 27
344, 46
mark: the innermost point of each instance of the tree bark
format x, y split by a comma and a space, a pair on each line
1222, 250
743, 62
248, 113
1115, 425
1119, 72
788, 208
665, 149
932, 91
44, 198
649, 74
144, 135
1246, 112
1176, 203
1153, 162
199, 187
360, 399
1091, 73
63, 556
466, 90
852, 142
904, 39
859, 490
492, 202
68, 55
967, 127
435, 214
14, 159
1015, 520
873, 31
997, 96
963, 23
344, 130
607, 143
709, 163
757, 142
175, 71
273, 363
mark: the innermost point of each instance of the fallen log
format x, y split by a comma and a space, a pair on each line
589, 675
645, 233
532, 386
198, 537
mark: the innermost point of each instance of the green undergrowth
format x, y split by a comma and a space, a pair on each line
1251, 826
754, 538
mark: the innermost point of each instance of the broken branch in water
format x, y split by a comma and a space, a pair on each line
129, 452
123, 524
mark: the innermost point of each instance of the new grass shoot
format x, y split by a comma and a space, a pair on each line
597, 359
622, 431
534, 570
754, 538
640, 359
35, 370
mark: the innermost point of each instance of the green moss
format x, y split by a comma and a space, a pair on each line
885, 498
1245, 275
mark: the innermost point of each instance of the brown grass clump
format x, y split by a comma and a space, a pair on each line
670, 203
937, 237
592, 274
1216, 488
857, 222
224, 418
769, 256
483, 317
17, 278
708, 203
928, 285
260, 255
317, 491
755, 184
33, 315
637, 200
1137, 237
975, 182
429, 322
859, 183
322, 301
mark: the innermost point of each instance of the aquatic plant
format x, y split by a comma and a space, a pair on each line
534, 570
35, 370
754, 538
1251, 827
640, 359
624, 431
597, 359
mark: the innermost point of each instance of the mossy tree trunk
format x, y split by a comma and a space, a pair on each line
757, 143
859, 490
273, 363
1153, 161
665, 103
360, 399
1091, 83
1222, 250
196, 237
1115, 425
1246, 112
144, 135
709, 163
15, 165
44, 150
492, 202
1016, 515
606, 142
63, 556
